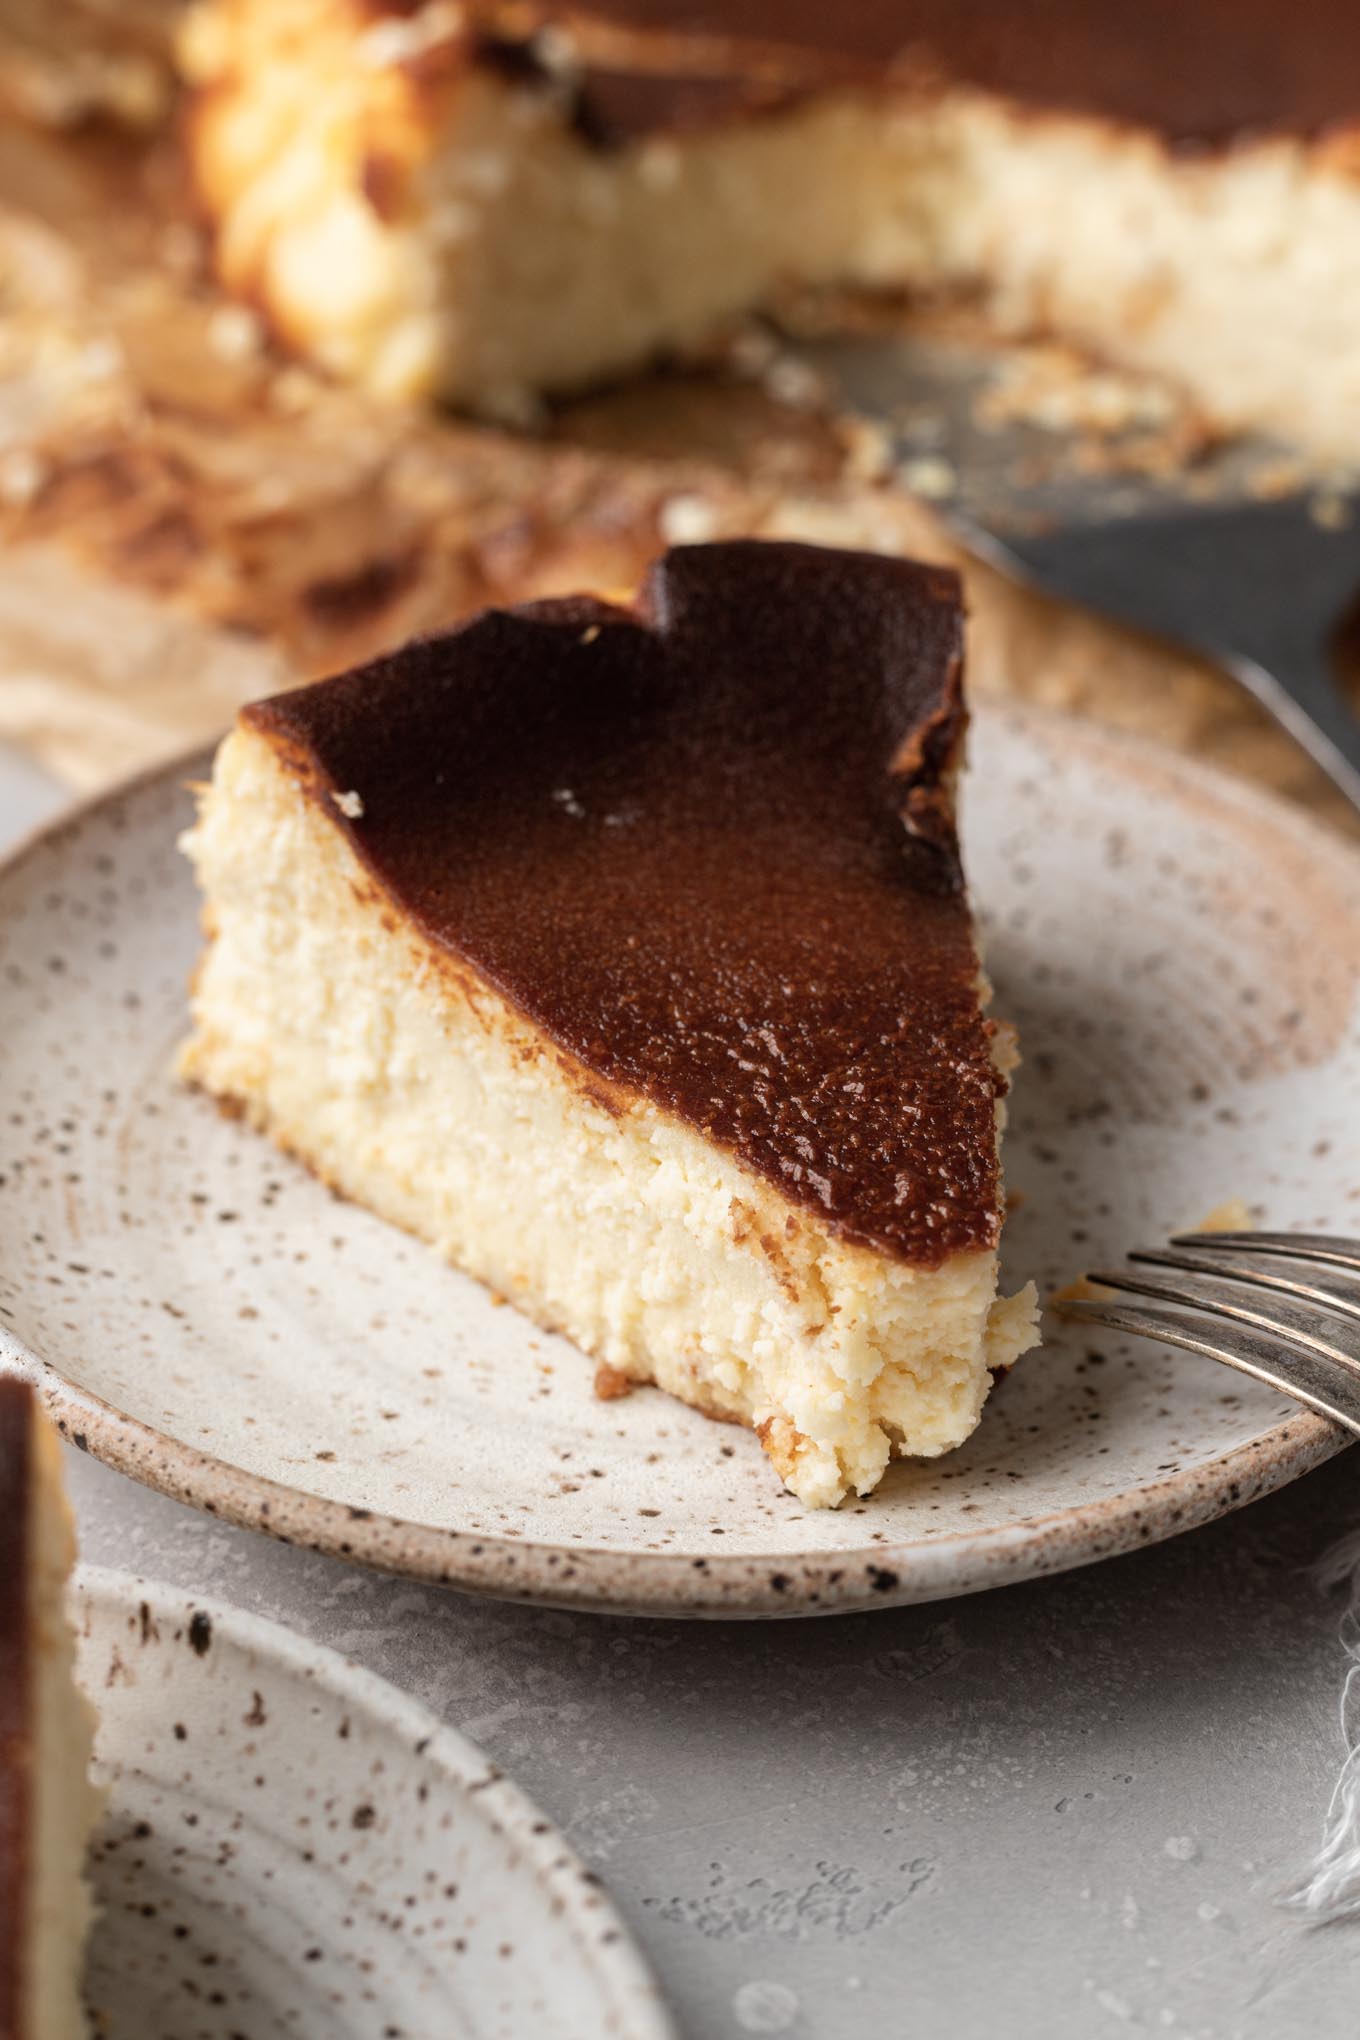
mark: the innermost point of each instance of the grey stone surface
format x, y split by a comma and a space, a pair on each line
1059, 1810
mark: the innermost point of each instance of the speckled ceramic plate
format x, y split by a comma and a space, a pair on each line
1183, 958
292, 1848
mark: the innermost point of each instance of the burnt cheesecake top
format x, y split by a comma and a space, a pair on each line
707, 845
1199, 72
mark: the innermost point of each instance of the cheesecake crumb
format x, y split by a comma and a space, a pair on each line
784, 1444
23, 477
1330, 511
611, 1383
795, 383
930, 476
1083, 1290
1232, 1216
688, 520
390, 43
556, 52
350, 805
235, 333
294, 390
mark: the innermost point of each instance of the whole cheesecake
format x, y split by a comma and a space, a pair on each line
623, 954
47, 1805
488, 200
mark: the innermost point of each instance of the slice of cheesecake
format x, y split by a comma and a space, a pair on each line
623, 954
491, 199
47, 1804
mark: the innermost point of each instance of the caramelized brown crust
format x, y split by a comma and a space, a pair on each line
708, 847
16, 1432
1200, 72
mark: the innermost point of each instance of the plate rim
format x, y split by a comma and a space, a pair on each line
891, 1572
567, 1885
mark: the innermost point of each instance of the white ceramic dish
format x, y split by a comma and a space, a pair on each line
1182, 956
290, 1847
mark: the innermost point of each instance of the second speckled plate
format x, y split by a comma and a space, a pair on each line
1183, 958
290, 1847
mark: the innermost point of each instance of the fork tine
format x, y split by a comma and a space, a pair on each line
1334, 1289
1326, 1247
1302, 1323
1308, 1378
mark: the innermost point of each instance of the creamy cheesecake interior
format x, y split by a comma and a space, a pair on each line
47, 1804
796, 1231
418, 213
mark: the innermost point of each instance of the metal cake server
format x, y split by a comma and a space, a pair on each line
1262, 586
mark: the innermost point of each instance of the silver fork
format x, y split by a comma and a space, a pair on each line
1282, 1307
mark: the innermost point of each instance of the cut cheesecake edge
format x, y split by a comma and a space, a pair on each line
406, 1081
427, 220
47, 1803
